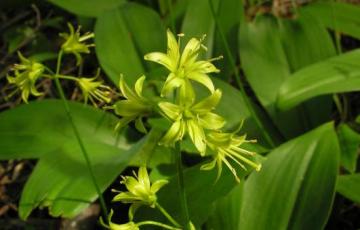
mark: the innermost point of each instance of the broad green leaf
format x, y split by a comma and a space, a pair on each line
295, 187
305, 41
226, 213
334, 75
89, 8
61, 178
338, 16
349, 143
123, 36
262, 57
349, 187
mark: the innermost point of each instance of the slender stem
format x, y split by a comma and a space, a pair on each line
167, 215
149, 222
77, 135
238, 79
182, 193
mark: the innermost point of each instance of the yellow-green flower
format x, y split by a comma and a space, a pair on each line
228, 145
184, 66
75, 44
134, 107
140, 190
112, 226
94, 90
192, 119
25, 76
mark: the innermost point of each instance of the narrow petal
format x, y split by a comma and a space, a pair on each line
125, 197
190, 52
143, 177
157, 185
129, 108
171, 82
162, 59
175, 133
172, 111
208, 103
211, 121
208, 166
187, 93
123, 122
126, 91
197, 136
202, 79
173, 47
204, 67
139, 85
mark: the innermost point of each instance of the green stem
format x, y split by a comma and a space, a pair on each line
182, 192
149, 222
238, 79
167, 215
77, 135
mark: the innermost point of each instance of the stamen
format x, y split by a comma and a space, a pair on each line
216, 58
257, 167
233, 171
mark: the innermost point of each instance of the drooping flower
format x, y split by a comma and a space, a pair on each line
75, 43
25, 76
184, 66
134, 107
140, 190
192, 119
112, 226
94, 90
228, 146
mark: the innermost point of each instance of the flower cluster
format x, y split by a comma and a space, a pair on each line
28, 72
188, 117
140, 192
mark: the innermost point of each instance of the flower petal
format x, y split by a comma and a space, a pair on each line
208, 166
202, 79
172, 111
208, 103
126, 91
139, 125
139, 85
143, 177
173, 47
204, 67
162, 59
129, 108
197, 136
175, 133
157, 185
187, 94
211, 121
190, 52
171, 82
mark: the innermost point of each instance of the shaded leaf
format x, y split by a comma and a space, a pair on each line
295, 187
61, 179
349, 143
349, 187
123, 36
89, 8
334, 75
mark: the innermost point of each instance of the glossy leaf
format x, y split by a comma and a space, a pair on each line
295, 187
61, 178
89, 8
262, 57
349, 187
334, 75
338, 16
226, 211
123, 36
349, 143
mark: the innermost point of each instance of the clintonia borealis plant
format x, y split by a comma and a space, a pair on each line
178, 104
